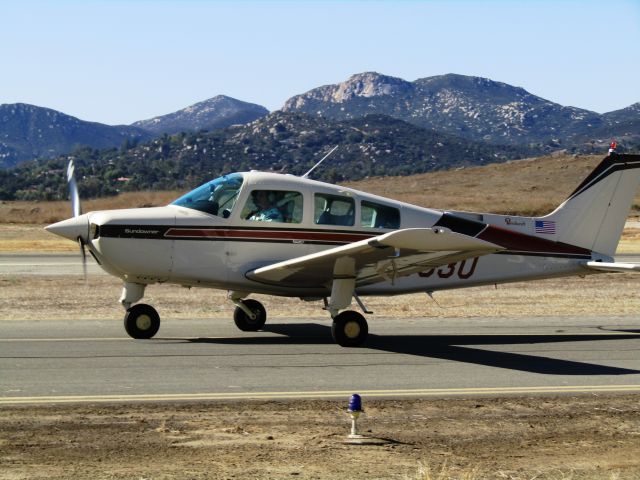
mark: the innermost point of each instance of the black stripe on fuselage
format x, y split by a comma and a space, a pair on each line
133, 231
239, 234
460, 225
611, 164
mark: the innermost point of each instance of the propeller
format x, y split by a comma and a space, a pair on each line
76, 208
76, 211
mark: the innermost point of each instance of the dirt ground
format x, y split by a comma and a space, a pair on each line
566, 437
510, 438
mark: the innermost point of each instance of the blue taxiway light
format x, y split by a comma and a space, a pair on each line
355, 403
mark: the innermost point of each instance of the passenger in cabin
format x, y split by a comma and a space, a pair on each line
266, 207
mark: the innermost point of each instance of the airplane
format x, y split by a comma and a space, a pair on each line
284, 235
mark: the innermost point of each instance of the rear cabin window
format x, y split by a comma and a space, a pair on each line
375, 215
273, 206
333, 210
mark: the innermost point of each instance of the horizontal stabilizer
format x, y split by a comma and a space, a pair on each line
613, 266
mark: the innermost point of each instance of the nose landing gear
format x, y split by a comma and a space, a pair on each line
141, 321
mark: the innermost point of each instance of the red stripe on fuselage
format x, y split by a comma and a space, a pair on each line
317, 236
520, 242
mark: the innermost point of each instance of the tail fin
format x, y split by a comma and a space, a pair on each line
594, 215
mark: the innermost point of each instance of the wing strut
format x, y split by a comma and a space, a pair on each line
342, 290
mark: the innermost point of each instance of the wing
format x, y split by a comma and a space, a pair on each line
385, 257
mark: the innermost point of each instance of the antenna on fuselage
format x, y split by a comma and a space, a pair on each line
306, 175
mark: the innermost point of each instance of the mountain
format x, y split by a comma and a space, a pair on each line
475, 108
217, 112
626, 115
622, 125
28, 131
374, 145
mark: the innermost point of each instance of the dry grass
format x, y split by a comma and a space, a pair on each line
22, 238
447, 472
519, 187
68, 297
50, 212
525, 187
630, 242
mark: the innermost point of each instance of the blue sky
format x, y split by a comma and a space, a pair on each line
123, 60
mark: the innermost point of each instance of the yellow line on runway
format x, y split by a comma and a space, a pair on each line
21, 340
437, 392
100, 339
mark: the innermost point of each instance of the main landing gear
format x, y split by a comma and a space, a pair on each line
349, 329
251, 316
141, 321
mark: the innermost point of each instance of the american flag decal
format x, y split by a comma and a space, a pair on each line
545, 226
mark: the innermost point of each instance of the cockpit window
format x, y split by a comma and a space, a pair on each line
333, 210
374, 215
273, 206
216, 197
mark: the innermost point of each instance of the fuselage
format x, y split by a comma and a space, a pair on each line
211, 237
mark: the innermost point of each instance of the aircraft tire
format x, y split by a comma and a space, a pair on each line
244, 322
349, 329
141, 321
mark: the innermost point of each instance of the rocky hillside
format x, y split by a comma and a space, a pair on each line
284, 142
28, 132
215, 113
475, 108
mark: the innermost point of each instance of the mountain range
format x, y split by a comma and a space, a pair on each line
286, 142
28, 132
471, 107
474, 108
383, 125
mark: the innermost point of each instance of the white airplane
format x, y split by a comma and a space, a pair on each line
266, 233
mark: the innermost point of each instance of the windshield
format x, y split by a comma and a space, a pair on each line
216, 197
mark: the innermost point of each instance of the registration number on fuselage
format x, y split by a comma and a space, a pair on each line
464, 269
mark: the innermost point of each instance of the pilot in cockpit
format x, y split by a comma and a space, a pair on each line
266, 208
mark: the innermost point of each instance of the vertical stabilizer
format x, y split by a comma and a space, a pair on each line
594, 215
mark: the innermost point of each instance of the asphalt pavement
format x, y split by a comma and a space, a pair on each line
94, 361
71, 264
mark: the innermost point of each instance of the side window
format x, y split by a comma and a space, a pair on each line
333, 210
374, 215
273, 206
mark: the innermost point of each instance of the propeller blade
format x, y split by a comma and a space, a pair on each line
76, 211
84, 258
76, 208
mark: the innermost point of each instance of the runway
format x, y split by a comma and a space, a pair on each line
94, 361
49, 264
71, 264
